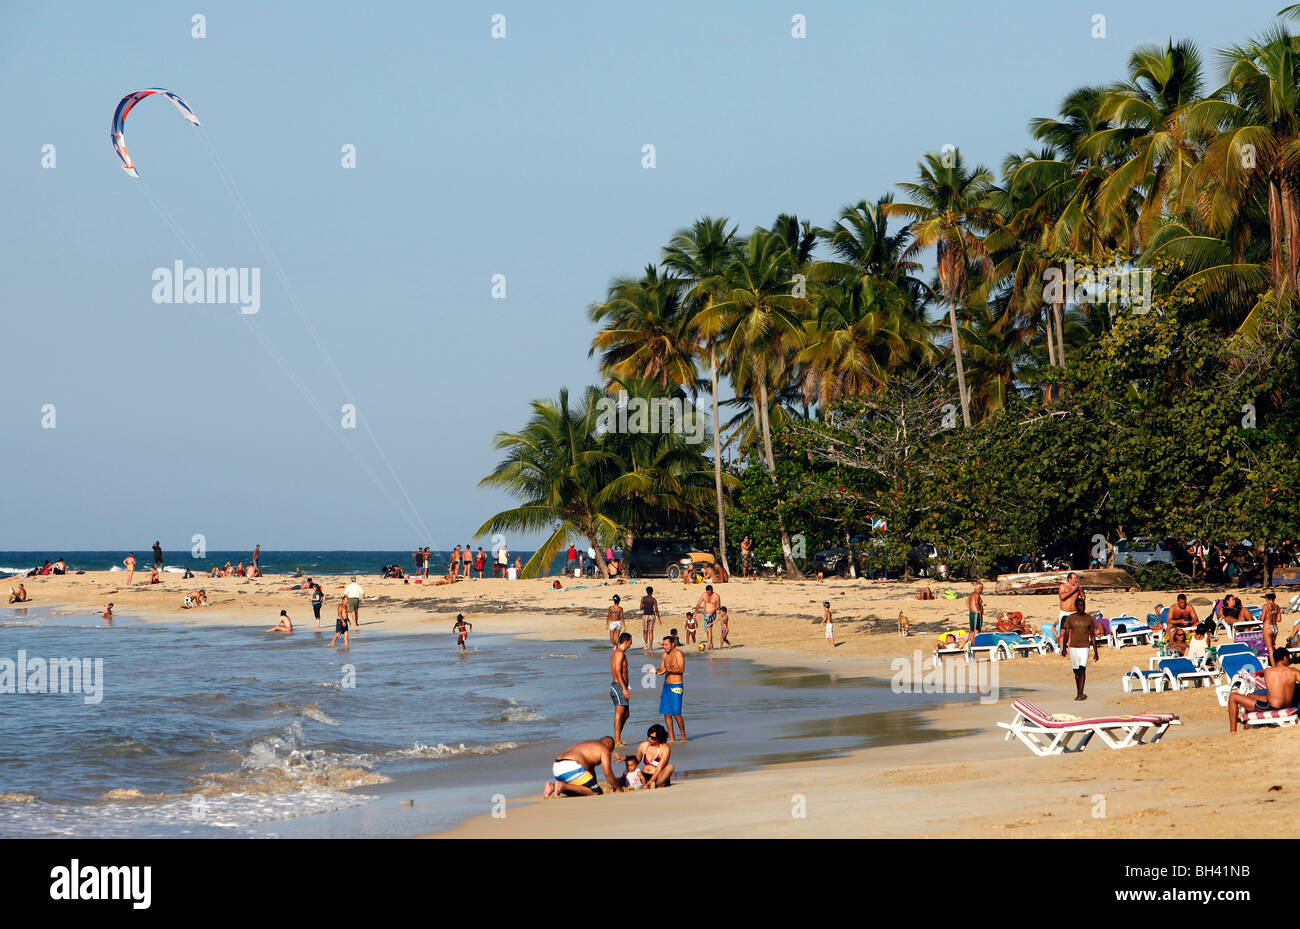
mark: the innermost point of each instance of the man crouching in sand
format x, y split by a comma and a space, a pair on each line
575, 770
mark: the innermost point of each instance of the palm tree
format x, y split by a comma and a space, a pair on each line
700, 255
559, 470
1145, 117
949, 209
761, 322
645, 332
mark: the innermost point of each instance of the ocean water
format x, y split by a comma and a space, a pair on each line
15, 563
227, 731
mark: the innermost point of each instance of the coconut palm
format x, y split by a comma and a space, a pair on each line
645, 332
700, 255
760, 321
950, 211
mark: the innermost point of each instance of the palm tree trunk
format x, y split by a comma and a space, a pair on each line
1051, 338
1275, 234
1292, 232
717, 462
961, 371
765, 427
1058, 318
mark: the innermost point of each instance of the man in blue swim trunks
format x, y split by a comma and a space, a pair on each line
672, 667
575, 770
707, 606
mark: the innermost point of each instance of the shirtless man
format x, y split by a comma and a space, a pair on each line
453, 565
649, 616
708, 604
618, 691
1078, 632
672, 667
975, 608
19, 595
575, 770
1068, 592
1280, 680
746, 557
1271, 617
614, 620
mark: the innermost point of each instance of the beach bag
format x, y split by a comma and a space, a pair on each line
554, 584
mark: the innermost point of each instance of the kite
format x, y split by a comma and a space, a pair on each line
119, 120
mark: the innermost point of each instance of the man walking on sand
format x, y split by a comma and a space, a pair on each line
975, 608
354, 594
1069, 591
618, 691
649, 616
1078, 632
708, 604
672, 667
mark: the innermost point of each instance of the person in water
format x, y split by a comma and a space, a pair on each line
284, 625
462, 630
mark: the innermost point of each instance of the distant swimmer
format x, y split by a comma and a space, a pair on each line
462, 630
618, 691
341, 623
614, 620
672, 667
108, 613
284, 625
575, 770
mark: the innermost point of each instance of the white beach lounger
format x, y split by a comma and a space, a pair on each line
1045, 734
1256, 718
1181, 673
988, 645
1147, 680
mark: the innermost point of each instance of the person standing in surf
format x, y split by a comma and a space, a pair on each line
462, 630
673, 667
618, 689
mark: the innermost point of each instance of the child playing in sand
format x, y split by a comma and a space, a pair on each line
691, 626
108, 613
724, 619
632, 779
284, 625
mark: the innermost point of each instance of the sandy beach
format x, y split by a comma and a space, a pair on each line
1198, 781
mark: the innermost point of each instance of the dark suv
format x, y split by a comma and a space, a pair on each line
838, 560
657, 557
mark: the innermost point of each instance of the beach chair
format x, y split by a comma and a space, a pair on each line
1046, 734
941, 652
1128, 630
1021, 645
988, 644
1181, 673
1149, 680
1243, 675
1256, 718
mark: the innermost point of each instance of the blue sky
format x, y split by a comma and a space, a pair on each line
474, 156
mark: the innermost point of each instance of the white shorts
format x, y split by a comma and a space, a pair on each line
614, 627
830, 631
1078, 658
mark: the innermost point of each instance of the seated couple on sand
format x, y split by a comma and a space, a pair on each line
575, 775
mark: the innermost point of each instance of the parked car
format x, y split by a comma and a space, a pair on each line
840, 560
1143, 550
657, 557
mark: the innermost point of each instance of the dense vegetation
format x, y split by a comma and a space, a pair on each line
1106, 344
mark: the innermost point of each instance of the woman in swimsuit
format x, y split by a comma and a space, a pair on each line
653, 755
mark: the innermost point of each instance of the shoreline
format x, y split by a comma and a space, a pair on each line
966, 786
